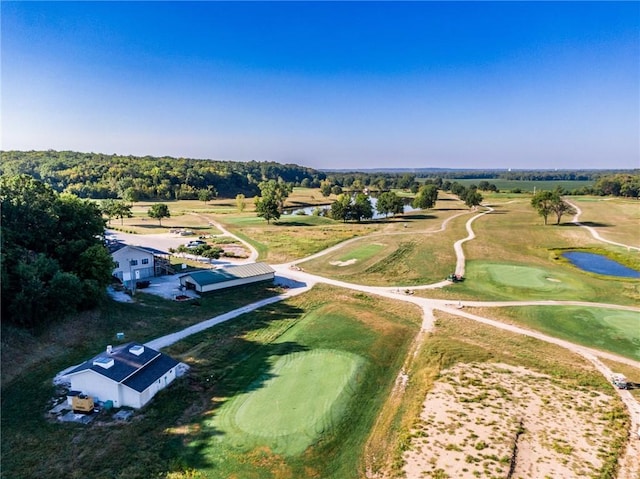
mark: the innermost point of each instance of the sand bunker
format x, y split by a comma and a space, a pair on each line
343, 263
476, 413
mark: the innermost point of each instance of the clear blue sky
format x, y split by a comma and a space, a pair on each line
328, 85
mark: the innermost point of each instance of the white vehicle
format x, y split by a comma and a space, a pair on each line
619, 381
195, 243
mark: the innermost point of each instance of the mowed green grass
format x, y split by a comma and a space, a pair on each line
610, 330
362, 252
303, 395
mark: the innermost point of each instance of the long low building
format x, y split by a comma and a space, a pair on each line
227, 277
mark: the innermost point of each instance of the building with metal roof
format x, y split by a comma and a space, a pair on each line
227, 277
128, 375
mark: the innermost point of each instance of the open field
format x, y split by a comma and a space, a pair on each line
616, 219
509, 185
294, 237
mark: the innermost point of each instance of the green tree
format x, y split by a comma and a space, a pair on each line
270, 203
159, 211
207, 194
389, 203
472, 198
560, 208
361, 208
122, 210
46, 239
241, 202
542, 201
267, 207
325, 188
341, 208
426, 197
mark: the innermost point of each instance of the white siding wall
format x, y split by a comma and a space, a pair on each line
126, 254
130, 397
136, 400
99, 387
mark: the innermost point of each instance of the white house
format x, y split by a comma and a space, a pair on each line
137, 262
128, 375
227, 277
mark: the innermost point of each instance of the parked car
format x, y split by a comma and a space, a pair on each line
195, 243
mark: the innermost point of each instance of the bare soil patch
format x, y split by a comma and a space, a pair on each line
492, 420
343, 263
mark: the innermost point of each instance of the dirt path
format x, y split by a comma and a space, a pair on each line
594, 232
253, 253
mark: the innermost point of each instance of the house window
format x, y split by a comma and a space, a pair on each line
117, 264
134, 262
145, 260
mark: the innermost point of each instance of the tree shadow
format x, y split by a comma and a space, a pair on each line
225, 364
595, 224
291, 223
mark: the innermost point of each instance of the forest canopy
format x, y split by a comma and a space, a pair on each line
54, 261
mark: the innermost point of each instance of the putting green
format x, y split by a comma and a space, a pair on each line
301, 396
518, 281
363, 252
523, 277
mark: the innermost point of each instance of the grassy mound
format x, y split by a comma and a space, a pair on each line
302, 395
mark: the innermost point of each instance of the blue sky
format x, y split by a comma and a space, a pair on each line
328, 85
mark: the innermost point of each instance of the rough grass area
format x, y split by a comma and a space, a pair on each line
406, 252
294, 237
616, 219
610, 330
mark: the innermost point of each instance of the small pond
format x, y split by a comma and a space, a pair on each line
308, 210
597, 263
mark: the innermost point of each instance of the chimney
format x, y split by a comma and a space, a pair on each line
109, 349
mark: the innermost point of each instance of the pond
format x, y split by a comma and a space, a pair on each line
308, 210
599, 264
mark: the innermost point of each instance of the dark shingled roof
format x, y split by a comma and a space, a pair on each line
136, 372
150, 373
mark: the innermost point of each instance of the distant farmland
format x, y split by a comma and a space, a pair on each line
529, 185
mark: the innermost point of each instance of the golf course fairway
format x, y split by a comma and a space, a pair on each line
301, 396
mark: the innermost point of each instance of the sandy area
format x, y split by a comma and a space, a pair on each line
343, 263
476, 413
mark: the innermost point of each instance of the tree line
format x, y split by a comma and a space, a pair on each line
100, 176
54, 261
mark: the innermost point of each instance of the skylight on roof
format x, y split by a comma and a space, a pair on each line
137, 349
103, 362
